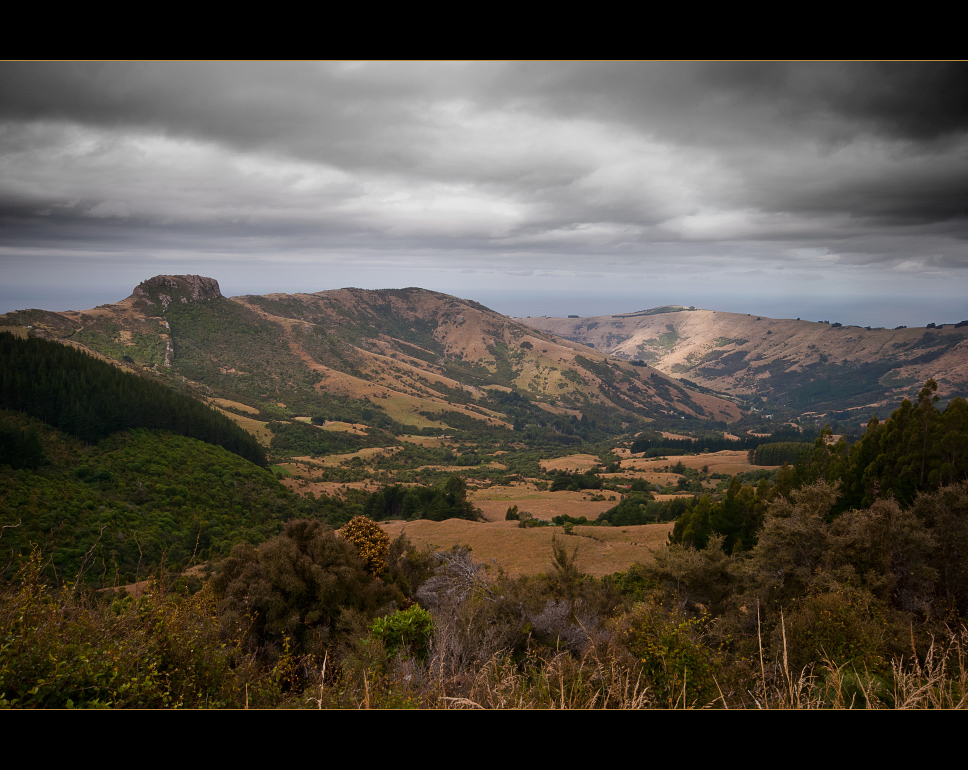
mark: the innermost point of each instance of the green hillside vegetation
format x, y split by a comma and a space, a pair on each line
397, 361
293, 439
837, 580
138, 499
855, 612
20, 442
222, 334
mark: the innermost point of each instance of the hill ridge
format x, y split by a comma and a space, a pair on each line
782, 363
421, 357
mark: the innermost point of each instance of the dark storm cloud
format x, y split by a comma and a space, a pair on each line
871, 140
781, 129
921, 101
346, 113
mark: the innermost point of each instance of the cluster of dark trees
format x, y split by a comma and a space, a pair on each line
655, 444
736, 518
437, 503
576, 482
640, 508
89, 399
918, 448
20, 445
779, 453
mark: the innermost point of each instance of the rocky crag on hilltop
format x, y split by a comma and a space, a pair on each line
166, 289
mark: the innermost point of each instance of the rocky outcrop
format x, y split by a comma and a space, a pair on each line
165, 289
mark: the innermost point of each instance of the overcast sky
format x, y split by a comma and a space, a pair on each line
818, 190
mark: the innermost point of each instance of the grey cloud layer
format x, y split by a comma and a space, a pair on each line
811, 165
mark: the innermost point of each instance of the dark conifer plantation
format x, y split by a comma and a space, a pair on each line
90, 399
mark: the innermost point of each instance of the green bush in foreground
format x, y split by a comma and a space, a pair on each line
405, 632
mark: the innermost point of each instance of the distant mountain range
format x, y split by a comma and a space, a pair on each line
410, 357
798, 366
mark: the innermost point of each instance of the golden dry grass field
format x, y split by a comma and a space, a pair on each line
727, 461
257, 428
495, 501
601, 550
571, 463
329, 488
658, 469
226, 404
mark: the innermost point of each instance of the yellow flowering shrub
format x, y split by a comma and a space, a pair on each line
372, 543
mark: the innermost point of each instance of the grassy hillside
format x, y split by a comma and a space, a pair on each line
791, 366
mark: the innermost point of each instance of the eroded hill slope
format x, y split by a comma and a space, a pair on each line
787, 363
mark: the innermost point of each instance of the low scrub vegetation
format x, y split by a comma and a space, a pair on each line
859, 610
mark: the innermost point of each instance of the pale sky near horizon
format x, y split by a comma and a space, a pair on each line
827, 191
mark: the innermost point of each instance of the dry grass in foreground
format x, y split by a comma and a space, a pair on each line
606, 677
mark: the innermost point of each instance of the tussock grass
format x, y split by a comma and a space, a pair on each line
604, 677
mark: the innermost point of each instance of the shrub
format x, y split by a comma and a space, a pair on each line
405, 632
372, 543
680, 668
297, 586
64, 648
842, 625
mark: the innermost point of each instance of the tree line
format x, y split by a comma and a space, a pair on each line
655, 444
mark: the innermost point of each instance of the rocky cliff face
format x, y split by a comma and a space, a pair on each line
165, 289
